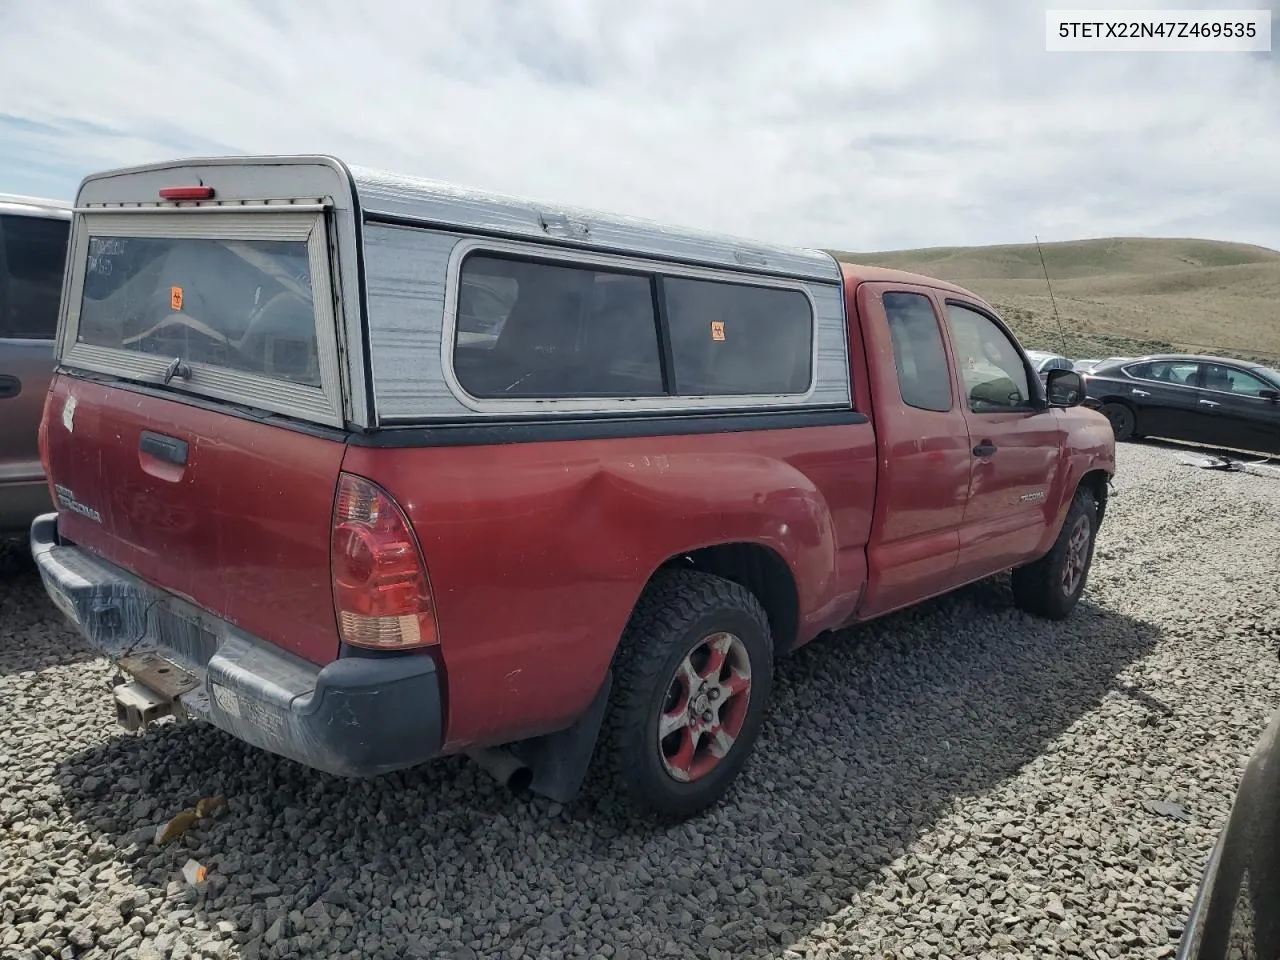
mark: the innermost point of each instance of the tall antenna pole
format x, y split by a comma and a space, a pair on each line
1056, 318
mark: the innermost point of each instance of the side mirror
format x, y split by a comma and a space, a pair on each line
1272, 395
1064, 388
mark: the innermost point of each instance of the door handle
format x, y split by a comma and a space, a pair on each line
1139, 393
168, 449
9, 387
1210, 403
985, 449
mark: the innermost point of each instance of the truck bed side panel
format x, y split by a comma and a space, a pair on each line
538, 551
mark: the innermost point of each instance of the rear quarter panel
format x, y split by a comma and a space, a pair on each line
538, 552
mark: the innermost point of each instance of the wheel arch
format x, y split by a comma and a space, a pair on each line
1092, 476
757, 567
1098, 482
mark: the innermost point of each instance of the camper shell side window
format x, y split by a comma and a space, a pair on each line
532, 328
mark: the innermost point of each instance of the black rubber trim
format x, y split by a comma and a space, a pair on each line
657, 287
366, 350
374, 715
598, 428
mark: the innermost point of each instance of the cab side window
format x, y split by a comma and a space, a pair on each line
924, 379
994, 376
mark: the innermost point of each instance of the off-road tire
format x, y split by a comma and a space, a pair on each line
1123, 420
677, 611
1038, 587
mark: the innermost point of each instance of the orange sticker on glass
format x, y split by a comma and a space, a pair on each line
175, 297
717, 329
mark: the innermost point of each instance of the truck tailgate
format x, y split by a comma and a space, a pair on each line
229, 513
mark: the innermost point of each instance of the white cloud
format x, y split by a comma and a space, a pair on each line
846, 123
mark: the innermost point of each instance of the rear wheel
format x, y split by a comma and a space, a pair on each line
1122, 419
1051, 586
691, 682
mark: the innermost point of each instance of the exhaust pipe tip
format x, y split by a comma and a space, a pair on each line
503, 766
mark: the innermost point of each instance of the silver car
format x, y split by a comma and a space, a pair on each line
1044, 361
33, 254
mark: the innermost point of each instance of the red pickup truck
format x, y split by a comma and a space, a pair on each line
367, 469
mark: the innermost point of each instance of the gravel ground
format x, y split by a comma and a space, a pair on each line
957, 780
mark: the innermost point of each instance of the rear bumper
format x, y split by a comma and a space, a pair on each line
358, 716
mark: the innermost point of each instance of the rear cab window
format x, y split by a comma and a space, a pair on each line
234, 306
542, 330
31, 269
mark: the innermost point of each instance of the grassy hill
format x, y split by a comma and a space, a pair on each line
1120, 295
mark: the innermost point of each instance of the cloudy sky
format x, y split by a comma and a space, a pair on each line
858, 124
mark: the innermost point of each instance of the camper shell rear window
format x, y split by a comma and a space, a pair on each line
234, 305
244, 305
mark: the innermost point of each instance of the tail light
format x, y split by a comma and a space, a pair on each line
199, 192
380, 586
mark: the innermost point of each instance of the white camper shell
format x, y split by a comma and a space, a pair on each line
348, 284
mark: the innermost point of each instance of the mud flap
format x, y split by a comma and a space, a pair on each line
559, 761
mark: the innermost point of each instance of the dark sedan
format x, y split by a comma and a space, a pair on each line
1211, 400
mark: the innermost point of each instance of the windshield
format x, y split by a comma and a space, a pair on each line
244, 305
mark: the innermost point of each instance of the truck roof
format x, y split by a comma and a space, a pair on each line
418, 200
862, 273
35, 206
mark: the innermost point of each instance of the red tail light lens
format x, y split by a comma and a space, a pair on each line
380, 587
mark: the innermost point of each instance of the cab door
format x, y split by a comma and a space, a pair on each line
923, 447
1015, 445
1237, 409
1165, 393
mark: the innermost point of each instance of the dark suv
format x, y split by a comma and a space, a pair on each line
33, 252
